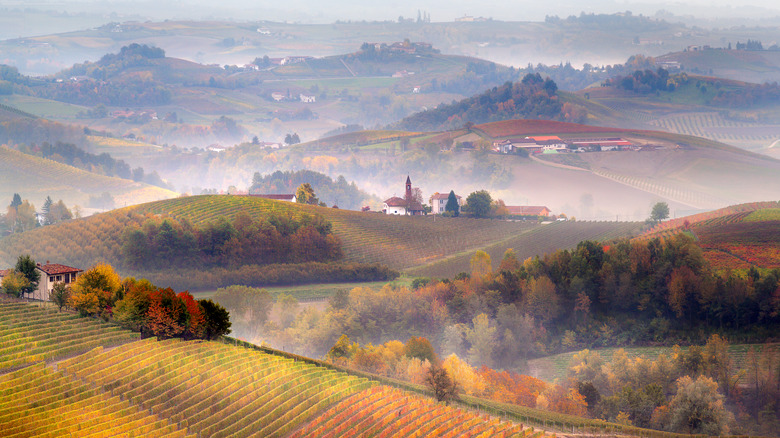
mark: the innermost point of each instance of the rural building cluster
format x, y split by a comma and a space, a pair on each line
550, 144
50, 274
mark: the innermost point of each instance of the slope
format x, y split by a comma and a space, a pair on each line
398, 242
737, 237
175, 388
35, 178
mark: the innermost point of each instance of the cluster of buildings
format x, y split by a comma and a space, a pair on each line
410, 206
51, 273
554, 144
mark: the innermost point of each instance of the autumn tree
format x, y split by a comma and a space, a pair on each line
167, 315
444, 388
94, 291
482, 337
420, 348
698, 408
304, 194
15, 283
480, 265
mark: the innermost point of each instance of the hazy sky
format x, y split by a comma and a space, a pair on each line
319, 11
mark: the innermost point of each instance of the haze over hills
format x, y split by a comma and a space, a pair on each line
587, 38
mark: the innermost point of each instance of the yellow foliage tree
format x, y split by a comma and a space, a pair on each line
467, 378
94, 291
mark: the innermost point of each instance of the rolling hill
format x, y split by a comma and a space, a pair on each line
398, 242
62, 382
36, 178
737, 237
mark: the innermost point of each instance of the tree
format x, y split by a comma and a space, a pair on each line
479, 203
26, 266
659, 212
420, 348
217, 319
47, 204
14, 283
305, 195
452, 206
444, 388
480, 264
95, 290
482, 338
698, 408
60, 294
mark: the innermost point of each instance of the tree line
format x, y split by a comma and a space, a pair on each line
336, 192
532, 97
170, 242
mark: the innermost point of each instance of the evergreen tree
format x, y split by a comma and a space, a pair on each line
26, 266
47, 213
452, 204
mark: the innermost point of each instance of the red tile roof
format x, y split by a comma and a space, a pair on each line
395, 201
4, 272
55, 268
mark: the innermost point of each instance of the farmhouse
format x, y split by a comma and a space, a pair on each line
403, 206
282, 197
277, 96
439, 202
52, 273
528, 210
308, 98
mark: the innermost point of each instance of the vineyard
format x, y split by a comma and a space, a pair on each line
387, 412
714, 126
673, 192
177, 388
30, 334
735, 237
398, 242
536, 241
35, 178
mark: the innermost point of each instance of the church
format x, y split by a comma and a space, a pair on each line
406, 205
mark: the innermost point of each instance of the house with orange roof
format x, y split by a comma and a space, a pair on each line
52, 273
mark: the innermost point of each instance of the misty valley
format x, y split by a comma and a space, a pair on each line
426, 220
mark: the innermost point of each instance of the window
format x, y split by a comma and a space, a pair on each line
51, 279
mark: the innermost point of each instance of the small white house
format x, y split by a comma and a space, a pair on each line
308, 98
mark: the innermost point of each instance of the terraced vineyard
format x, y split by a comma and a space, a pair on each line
30, 334
387, 412
537, 241
735, 237
398, 242
176, 388
731, 214
716, 127
668, 191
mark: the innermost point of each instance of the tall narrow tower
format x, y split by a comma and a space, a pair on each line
408, 188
